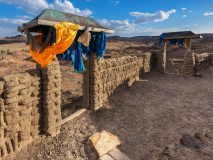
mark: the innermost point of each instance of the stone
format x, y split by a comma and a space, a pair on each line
102, 142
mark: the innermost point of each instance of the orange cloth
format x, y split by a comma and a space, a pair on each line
65, 35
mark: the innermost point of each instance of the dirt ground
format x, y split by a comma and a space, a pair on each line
149, 117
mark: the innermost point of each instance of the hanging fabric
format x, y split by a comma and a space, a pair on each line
176, 42
75, 51
85, 38
187, 41
98, 43
173, 42
36, 46
160, 39
181, 42
65, 35
73, 54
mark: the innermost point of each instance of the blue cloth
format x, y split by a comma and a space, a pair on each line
182, 42
98, 43
73, 53
173, 42
160, 39
176, 42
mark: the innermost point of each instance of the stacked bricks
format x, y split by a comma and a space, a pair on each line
211, 58
106, 75
189, 64
20, 107
161, 61
147, 62
51, 79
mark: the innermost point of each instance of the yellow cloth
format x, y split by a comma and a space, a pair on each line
65, 35
187, 41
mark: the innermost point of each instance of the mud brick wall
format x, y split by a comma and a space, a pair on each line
159, 60
29, 103
51, 78
189, 64
211, 58
107, 74
20, 111
193, 63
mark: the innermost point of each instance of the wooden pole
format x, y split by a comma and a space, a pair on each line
164, 46
189, 45
88, 80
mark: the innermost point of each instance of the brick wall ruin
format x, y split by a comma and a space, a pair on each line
107, 74
193, 62
29, 104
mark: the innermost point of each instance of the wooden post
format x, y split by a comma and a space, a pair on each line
189, 45
164, 46
88, 78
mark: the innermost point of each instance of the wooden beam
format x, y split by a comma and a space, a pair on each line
164, 46
52, 23
189, 45
189, 37
73, 116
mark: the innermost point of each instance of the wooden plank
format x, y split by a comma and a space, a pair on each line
73, 116
106, 157
164, 46
189, 46
88, 82
51, 23
118, 155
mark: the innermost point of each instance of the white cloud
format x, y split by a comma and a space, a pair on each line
35, 7
208, 13
5, 22
126, 29
8, 27
142, 18
190, 11
195, 25
117, 25
184, 16
24, 17
114, 2
183, 8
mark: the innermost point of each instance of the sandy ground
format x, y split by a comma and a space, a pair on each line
148, 117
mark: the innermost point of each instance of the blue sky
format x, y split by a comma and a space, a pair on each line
127, 17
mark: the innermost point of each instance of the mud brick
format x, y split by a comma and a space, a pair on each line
13, 127
3, 150
11, 78
1, 105
25, 134
25, 112
1, 87
36, 121
10, 134
14, 89
12, 100
24, 123
10, 119
26, 101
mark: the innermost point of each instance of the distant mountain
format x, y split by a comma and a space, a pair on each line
13, 39
144, 39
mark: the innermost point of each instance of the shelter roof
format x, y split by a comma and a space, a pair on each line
180, 35
51, 17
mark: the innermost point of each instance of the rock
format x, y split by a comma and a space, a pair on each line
189, 141
102, 142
